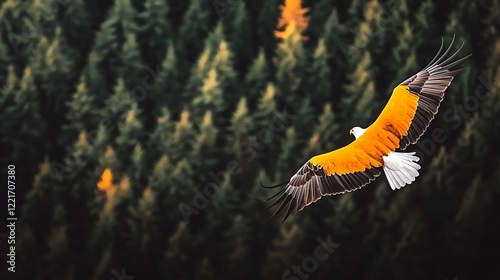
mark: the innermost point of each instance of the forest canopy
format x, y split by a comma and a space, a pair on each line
140, 132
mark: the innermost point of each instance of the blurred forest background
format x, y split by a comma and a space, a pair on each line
140, 131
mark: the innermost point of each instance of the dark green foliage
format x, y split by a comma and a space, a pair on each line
193, 104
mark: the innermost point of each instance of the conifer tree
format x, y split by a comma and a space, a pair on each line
132, 67
113, 33
130, 133
302, 121
256, 79
237, 27
205, 140
404, 58
205, 62
161, 134
80, 116
195, 26
25, 122
165, 93
319, 16
290, 66
287, 159
328, 129
59, 251
137, 171
204, 146
210, 95
334, 36
76, 21
155, 31
240, 127
177, 258
319, 85
54, 74
425, 29
264, 139
359, 101
95, 79
266, 24
39, 202
179, 143
12, 14
117, 106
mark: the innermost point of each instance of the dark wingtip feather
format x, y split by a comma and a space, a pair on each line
275, 186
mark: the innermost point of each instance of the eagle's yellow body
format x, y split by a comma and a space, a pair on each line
379, 139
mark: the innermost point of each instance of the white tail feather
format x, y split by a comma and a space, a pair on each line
401, 169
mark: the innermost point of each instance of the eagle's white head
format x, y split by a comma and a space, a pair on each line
357, 131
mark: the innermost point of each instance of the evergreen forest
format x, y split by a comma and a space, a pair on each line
137, 135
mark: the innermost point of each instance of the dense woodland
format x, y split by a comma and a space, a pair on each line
141, 130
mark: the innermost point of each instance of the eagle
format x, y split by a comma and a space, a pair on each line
404, 119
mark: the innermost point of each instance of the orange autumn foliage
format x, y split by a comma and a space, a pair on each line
106, 182
292, 17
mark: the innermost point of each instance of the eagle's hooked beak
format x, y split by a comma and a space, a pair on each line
350, 132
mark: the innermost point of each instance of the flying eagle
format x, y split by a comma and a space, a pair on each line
404, 119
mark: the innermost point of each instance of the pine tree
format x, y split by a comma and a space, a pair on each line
290, 66
240, 128
426, 25
55, 75
155, 31
206, 62
179, 143
117, 106
256, 79
287, 160
130, 133
302, 121
39, 203
319, 16
25, 122
223, 63
359, 102
195, 26
319, 87
204, 142
138, 169
162, 133
80, 116
113, 33
237, 26
165, 93
334, 36
210, 96
59, 251
77, 29
12, 15
95, 79
264, 138
404, 57
266, 24
327, 129
132, 67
